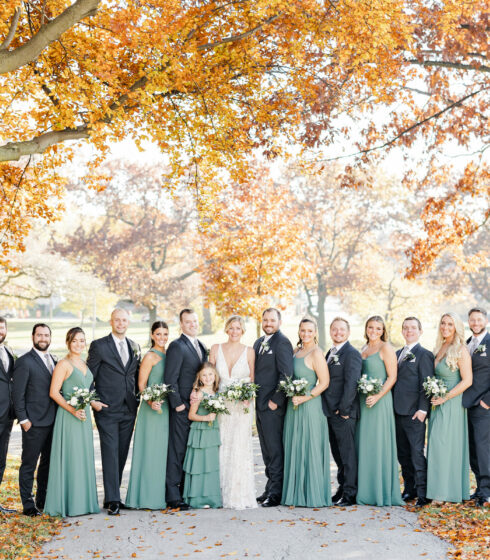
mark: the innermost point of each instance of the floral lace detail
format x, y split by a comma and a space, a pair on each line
236, 451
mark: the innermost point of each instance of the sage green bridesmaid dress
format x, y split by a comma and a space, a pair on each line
306, 449
72, 488
146, 488
378, 482
201, 464
448, 468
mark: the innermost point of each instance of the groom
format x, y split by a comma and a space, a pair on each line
114, 362
273, 362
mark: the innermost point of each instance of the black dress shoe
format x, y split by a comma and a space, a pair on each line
7, 510
113, 508
344, 502
270, 501
482, 501
408, 496
32, 512
179, 504
336, 497
40, 506
421, 502
474, 496
261, 499
122, 505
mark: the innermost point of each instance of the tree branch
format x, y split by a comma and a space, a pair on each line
446, 64
12, 60
13, 28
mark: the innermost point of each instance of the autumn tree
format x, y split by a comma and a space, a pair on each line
250, 251
140, 244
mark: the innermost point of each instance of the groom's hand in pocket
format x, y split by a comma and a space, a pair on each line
180, 408
272, 405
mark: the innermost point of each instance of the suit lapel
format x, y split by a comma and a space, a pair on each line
115, 352
344, 347
190, 345
41, 362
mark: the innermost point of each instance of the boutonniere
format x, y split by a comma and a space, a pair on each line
207, 354
409, 357
335, 360
136, 350
12, 353
480, 349
264, 347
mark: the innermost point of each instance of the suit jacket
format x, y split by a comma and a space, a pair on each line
30, 391
181, 366
114, 383
6, 402
480, 388
408, 391
341, 393
271, 367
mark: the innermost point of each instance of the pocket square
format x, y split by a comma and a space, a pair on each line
483, 354
270, 352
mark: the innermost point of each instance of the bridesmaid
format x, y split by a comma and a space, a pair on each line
306, 444
146, 488
72, 489
379, 482
448, 471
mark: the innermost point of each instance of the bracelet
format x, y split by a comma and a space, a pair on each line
313, 396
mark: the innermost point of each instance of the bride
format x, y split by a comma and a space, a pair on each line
233, 361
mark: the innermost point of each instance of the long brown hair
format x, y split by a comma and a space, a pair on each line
313, 322
71, 334
378, 319
198, 383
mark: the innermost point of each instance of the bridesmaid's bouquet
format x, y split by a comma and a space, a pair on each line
215, 403
294, 387
369, 385
241, 390
434, 388
156, 393
80, 398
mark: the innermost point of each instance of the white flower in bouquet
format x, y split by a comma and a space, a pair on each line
80, 398
156, 393
241, 390
434, 388
294, 387
369, 385
215, 403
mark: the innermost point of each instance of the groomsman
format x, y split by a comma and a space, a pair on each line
6, 406
411, 405
273, 362
340, 403
36, 413
185, 355
477, 400
114, 362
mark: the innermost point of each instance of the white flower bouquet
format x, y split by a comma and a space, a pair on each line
369, 385
434, 388
156, 393
215, 403
80, 398
294, 387
241, 390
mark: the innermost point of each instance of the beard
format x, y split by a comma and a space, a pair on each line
3, 337
475, 332
41, 346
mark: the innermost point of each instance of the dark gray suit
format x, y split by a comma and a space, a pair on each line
115, 385
31, 384
409, 397
271, 367
7, 414
479, 418
341, 399
181, 366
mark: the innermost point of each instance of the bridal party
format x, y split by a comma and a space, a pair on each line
190, 412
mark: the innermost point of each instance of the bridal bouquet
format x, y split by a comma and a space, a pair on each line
294, 387
434, 388
215, 403
241, 390
80, 397
369, 385
156, 393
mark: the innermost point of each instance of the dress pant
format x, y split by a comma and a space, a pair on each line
179, 426
410, 442
36, 445
115, 431
270, 426
342, 433
479, 441
5, 429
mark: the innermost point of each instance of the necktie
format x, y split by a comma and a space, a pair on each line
49, 363
403, 353
123, 351
198, 349
4, 357
333, 351
472, 345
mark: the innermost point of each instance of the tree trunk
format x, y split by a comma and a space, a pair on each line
152, 314
207, 324
258, 325
322, 332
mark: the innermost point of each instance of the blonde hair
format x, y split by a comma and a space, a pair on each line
237, 319
313, 322
198, 383
453, 352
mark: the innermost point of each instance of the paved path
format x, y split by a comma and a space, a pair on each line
361, 532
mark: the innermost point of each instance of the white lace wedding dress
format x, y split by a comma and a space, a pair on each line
236, 454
